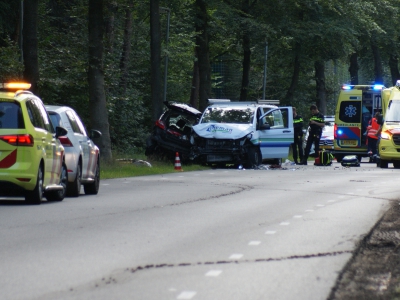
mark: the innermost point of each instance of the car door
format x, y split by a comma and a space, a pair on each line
45, 141
276, 140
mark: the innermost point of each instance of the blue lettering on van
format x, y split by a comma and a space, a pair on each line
350, 111
214, 128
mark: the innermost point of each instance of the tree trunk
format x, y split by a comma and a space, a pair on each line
194, 93
110, 24
394, 68
30, 44
97, 97
353, 69
295, 76
202, 44
320, 85
155, 53
246, 53
377, 62
126, 49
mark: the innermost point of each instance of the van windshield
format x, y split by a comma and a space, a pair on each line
393, 112
232, 115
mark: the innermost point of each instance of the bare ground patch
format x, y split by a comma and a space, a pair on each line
374, 270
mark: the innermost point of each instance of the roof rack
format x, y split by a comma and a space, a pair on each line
272, 102
211, 101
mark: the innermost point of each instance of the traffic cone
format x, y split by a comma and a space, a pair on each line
177, 162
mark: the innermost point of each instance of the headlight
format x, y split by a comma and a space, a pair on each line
385, 135
249, 136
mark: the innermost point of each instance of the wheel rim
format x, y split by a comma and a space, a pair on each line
40, 182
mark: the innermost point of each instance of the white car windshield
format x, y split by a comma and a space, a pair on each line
232, 115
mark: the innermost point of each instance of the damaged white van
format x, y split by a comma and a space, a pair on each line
243, 133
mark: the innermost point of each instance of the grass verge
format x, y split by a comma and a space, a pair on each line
131, 166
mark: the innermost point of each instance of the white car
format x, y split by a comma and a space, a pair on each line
242, 133
82, 156
327, 136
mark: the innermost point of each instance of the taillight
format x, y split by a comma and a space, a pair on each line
334, 131
65, 141
18, 139
160, 124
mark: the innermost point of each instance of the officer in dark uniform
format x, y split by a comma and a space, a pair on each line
297, 146
316, 124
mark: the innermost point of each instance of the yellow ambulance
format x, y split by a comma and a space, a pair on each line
389, 144
355, 107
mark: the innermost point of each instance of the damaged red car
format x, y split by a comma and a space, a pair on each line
171, 132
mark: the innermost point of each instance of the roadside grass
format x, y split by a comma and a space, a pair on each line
125, 166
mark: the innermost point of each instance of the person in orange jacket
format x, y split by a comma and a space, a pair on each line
372, 135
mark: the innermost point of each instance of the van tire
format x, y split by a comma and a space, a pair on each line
254, 157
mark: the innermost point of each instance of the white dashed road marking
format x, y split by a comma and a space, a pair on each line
309, 210
297, 216
284, 224
270, 232
213, 273
254, 243
236, 256
186, 295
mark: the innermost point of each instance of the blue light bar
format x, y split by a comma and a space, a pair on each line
347, 87
378, 86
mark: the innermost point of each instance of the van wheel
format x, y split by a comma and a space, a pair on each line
254, 157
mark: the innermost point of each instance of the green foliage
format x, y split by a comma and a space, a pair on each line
327, 30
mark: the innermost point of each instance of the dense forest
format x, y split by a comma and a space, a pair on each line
115, 62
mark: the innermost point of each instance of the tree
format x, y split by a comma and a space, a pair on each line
155, 50
30, 44
203, 53
97, 97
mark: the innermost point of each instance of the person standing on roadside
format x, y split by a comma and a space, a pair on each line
316, 124
372, 135
297, 146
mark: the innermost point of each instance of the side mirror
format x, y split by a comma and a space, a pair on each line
95, 134
60, 131
265, 126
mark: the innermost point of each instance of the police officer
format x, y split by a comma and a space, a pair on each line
297, 146
315, 130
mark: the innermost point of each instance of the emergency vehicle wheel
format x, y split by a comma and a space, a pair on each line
382, 163
396, 164
339, 158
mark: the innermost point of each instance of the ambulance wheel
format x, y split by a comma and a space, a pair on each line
382, 164
396, 164
254, 157
339, 158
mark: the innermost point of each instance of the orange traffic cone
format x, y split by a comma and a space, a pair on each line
178, 163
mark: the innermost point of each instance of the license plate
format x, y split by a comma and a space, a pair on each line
349, 142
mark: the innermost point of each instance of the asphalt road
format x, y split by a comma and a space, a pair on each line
218, 234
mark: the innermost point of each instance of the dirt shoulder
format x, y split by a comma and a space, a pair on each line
374, 270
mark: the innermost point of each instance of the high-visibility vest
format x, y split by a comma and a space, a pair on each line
372, 129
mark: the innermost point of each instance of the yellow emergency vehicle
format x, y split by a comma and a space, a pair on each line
389, 144
355, 107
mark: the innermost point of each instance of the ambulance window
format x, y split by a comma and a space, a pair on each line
350, 111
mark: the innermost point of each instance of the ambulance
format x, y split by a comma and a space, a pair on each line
355, 107
389, 144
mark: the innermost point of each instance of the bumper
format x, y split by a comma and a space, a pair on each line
388, 151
